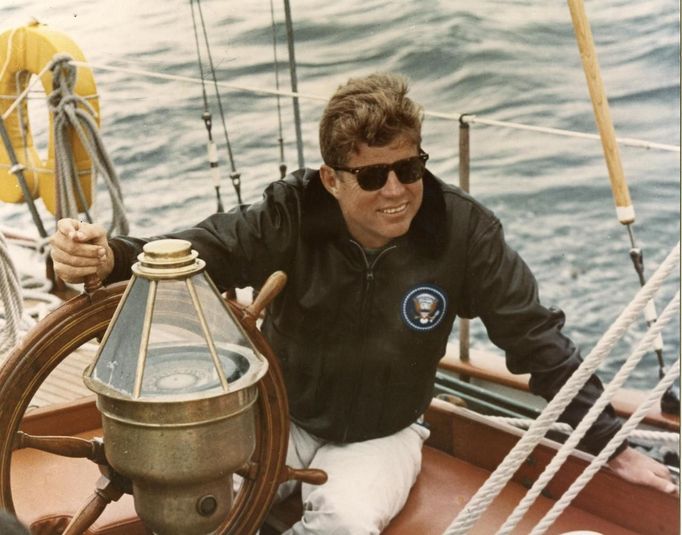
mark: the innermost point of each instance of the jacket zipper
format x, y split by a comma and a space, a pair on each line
368, 289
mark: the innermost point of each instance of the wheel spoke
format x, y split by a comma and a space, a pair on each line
312, 476
64, 446
106, 491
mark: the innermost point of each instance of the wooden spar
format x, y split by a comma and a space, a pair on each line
624, 209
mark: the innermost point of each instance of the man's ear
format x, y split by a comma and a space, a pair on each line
329, 180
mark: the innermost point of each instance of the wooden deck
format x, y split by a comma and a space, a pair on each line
65, 383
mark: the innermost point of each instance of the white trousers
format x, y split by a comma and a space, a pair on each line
368, 481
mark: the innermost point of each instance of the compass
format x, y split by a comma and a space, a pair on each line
189, 369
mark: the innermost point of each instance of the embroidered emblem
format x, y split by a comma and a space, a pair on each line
423, 307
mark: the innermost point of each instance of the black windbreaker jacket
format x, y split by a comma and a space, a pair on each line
360, 337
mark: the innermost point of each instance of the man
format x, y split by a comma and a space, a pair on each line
381, 258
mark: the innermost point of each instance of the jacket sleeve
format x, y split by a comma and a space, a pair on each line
504, 295
241, 247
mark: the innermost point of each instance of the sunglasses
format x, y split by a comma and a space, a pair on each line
374, 177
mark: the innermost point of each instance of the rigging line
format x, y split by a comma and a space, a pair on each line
280, 139
467, 117
208, 121
294, 82
189, 79
201, 65
234, 175
474, 119
17, 170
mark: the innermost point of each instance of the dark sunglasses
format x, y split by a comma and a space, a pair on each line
374, 177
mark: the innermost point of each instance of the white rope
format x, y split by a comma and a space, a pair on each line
469, 118
592, 414
499, 478
64, 104
16, 289
570, 133
641, 436
192, 80
12, 301
603, 457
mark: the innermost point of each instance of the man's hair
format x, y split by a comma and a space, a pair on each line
373, 110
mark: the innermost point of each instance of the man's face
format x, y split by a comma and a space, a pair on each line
375, 217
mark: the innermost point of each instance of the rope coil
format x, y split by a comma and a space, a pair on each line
73, 113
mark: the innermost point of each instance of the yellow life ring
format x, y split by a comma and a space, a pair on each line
24, 51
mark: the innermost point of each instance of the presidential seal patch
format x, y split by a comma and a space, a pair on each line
423, 307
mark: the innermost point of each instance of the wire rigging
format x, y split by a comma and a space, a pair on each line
670, 400
235, 176
208, 119
280, 139
294, 82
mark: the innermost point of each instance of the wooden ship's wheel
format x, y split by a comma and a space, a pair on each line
86, 317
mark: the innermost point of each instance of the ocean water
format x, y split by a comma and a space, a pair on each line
507, 60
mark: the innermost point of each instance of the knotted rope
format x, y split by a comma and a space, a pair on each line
504, 472
74, 112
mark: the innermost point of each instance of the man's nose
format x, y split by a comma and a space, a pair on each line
393, 186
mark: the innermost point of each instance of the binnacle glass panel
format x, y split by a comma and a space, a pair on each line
118, 358
185, 330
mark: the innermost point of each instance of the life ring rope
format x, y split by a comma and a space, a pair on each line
75, 152
73, 114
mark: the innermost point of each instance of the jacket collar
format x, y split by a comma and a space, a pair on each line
322, 219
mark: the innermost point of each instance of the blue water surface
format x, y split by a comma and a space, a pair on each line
508, 60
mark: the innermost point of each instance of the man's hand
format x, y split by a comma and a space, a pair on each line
80, 249
636, 467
